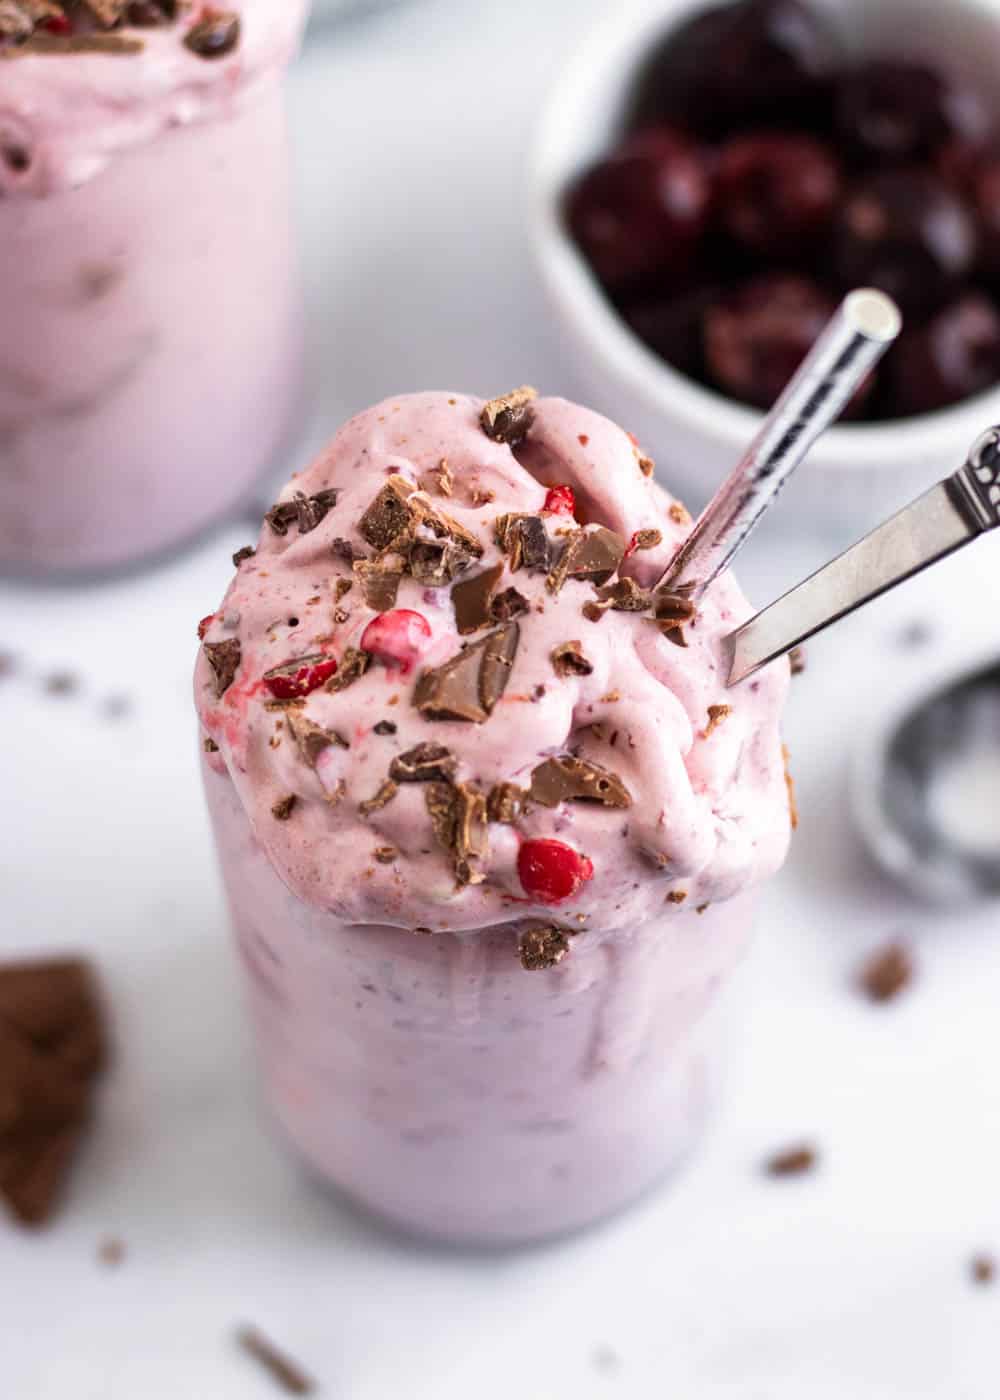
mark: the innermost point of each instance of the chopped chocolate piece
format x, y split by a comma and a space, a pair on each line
569, 779
215, 36
523, 538
33, 1171
703, 909
446, 527
111, 1252
108, 13
224, 659
983, 1268
436, 562
343, 549
38, 1092
379, 585
647, 539
285, 1372
384, 726
793, 806
717, 714
74, 43
385, 855
792, 1161
312, 738
441, 802
625, 595
352, 666
341, 588
388, 515
471, 834
542, 947
593, 554
439, 478
505, 803
55, 1005
647, 466
679, 514
508, 605
508, 418
672, 608
310, 511
426, 763
469, 685
568, 660
284, 807
386, 792
247, 552
888, 972
472, 597
797, 660
210, 746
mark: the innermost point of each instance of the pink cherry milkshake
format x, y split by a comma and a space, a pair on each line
489, 821
150, 339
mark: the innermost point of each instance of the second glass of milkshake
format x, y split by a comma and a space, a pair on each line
490, 822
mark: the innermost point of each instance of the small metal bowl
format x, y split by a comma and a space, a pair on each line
927, 790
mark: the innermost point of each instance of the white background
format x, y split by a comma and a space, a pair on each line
851, 1284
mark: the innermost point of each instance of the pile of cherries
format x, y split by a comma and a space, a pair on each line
762, 176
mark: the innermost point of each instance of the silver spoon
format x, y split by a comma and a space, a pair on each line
952, 514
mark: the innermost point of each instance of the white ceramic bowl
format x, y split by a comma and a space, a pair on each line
857, 474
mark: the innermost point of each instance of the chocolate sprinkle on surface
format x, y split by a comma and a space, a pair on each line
508, 418
469, 685
542, 947
224, 659
647, 466
471, 599
571, 779
792, 1161
386, 792
384, 726
284, 807
426, 763
568, 660
215, 36
287, 1374
888, 972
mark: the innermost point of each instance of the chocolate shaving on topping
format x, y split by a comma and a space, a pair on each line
209, 745
647, 539
472, 597
379, 585
440, 800
717, 714
469, 685
593, 554
247, 552
647, 466
385, 855
353, 664
888, 972
224, 659
797, 660
679, 514
285, 1372
74, 43
568, 660
524, 540
508, 418
312, 738
542, 947
343, 549
505, 803
471, 834
792, 1161
386, 792
389, 514
508, 605
305, 511
569, 779
426, 763
283, 808
436, 562
215, 36
384, 726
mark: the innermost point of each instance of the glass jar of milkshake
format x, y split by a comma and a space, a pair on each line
150, 343
489, 821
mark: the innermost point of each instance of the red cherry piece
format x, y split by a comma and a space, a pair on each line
204, 625
294, 679
640, 213
560, 501
551, 871
397, 638
776, 190
57, 24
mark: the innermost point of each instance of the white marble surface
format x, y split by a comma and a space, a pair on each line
851, 1284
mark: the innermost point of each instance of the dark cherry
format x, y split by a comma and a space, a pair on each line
751, 63
952, 357
756, 338
891, 112
776, 191
908, 233
638, 214
672, 326
984, 188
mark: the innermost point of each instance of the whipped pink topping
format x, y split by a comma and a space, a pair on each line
66, 115
602, 771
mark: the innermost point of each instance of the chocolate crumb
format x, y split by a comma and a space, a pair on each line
343, 549
508, 418
224, 659
284, 807
247, 552
797, 660
647, 466
286, 1373
676, 897
568, 660
62, 683
111, 1252
341, 588
793, 806
439, 478
703, 909
210, 746
717, 714
888, 972
542, 947
647, 539
983, 1269
384, 726
791, 1161
508, 605
215, 36
679, 514
505, 803
426, 763
386, 792
385, 855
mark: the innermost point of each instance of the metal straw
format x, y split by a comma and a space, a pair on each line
864, 326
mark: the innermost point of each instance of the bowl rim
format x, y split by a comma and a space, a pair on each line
621, 355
